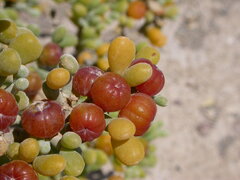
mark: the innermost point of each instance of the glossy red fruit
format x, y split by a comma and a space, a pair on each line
17, 170
50, 55
8, 109
156, 82
87, 120
141, 110
111, 92
84, 78
43, 119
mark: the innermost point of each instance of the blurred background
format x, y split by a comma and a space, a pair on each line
202, 69
201, 63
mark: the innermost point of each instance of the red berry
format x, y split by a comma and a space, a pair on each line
8, 109
17, 169
84, 78
87, 120
141, 110
35, 84
43, 119
50, 55
111, 92
156, 82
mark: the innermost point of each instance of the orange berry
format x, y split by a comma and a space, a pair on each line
156, 36
103, 142
137, 9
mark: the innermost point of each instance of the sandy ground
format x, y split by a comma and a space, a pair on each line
202, 69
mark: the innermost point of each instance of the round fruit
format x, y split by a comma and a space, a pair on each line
23, 72
156, 36
35, 84
155, 83
120, 54
22, 100
28, 47
90, 156
71, 140
102, 157
49, 165
84, 78
103, 142
21, 84
17, 169
126, 131
74, 163
149, 53
50, 55
103, 49
111, 92
87, 120
57, 78
13, 150
141, 110
79, 10
9, 34
10, 62
69, 62
43, 119
29, 149
103, 64
137, 9
8, 109
84, 57
138, 74
129, 152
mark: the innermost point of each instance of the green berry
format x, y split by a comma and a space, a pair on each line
69, 62
45, 146
9, 34
21, 84
59, 34
22, 72
22, 100
28, 47
71, 140
10, 62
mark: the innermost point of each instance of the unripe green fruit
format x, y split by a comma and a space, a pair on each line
9, 34
22, 100
21, 84
28, 47
69, 62
59, 34
10, 62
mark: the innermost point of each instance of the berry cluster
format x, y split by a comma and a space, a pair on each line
87, 113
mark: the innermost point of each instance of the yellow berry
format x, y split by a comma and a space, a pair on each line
103, 142
29, 149
103, 49
103, 64
57, 78
156, 36
138, 74
83, 57
120, 54
49, 165
121, 129
129, 152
